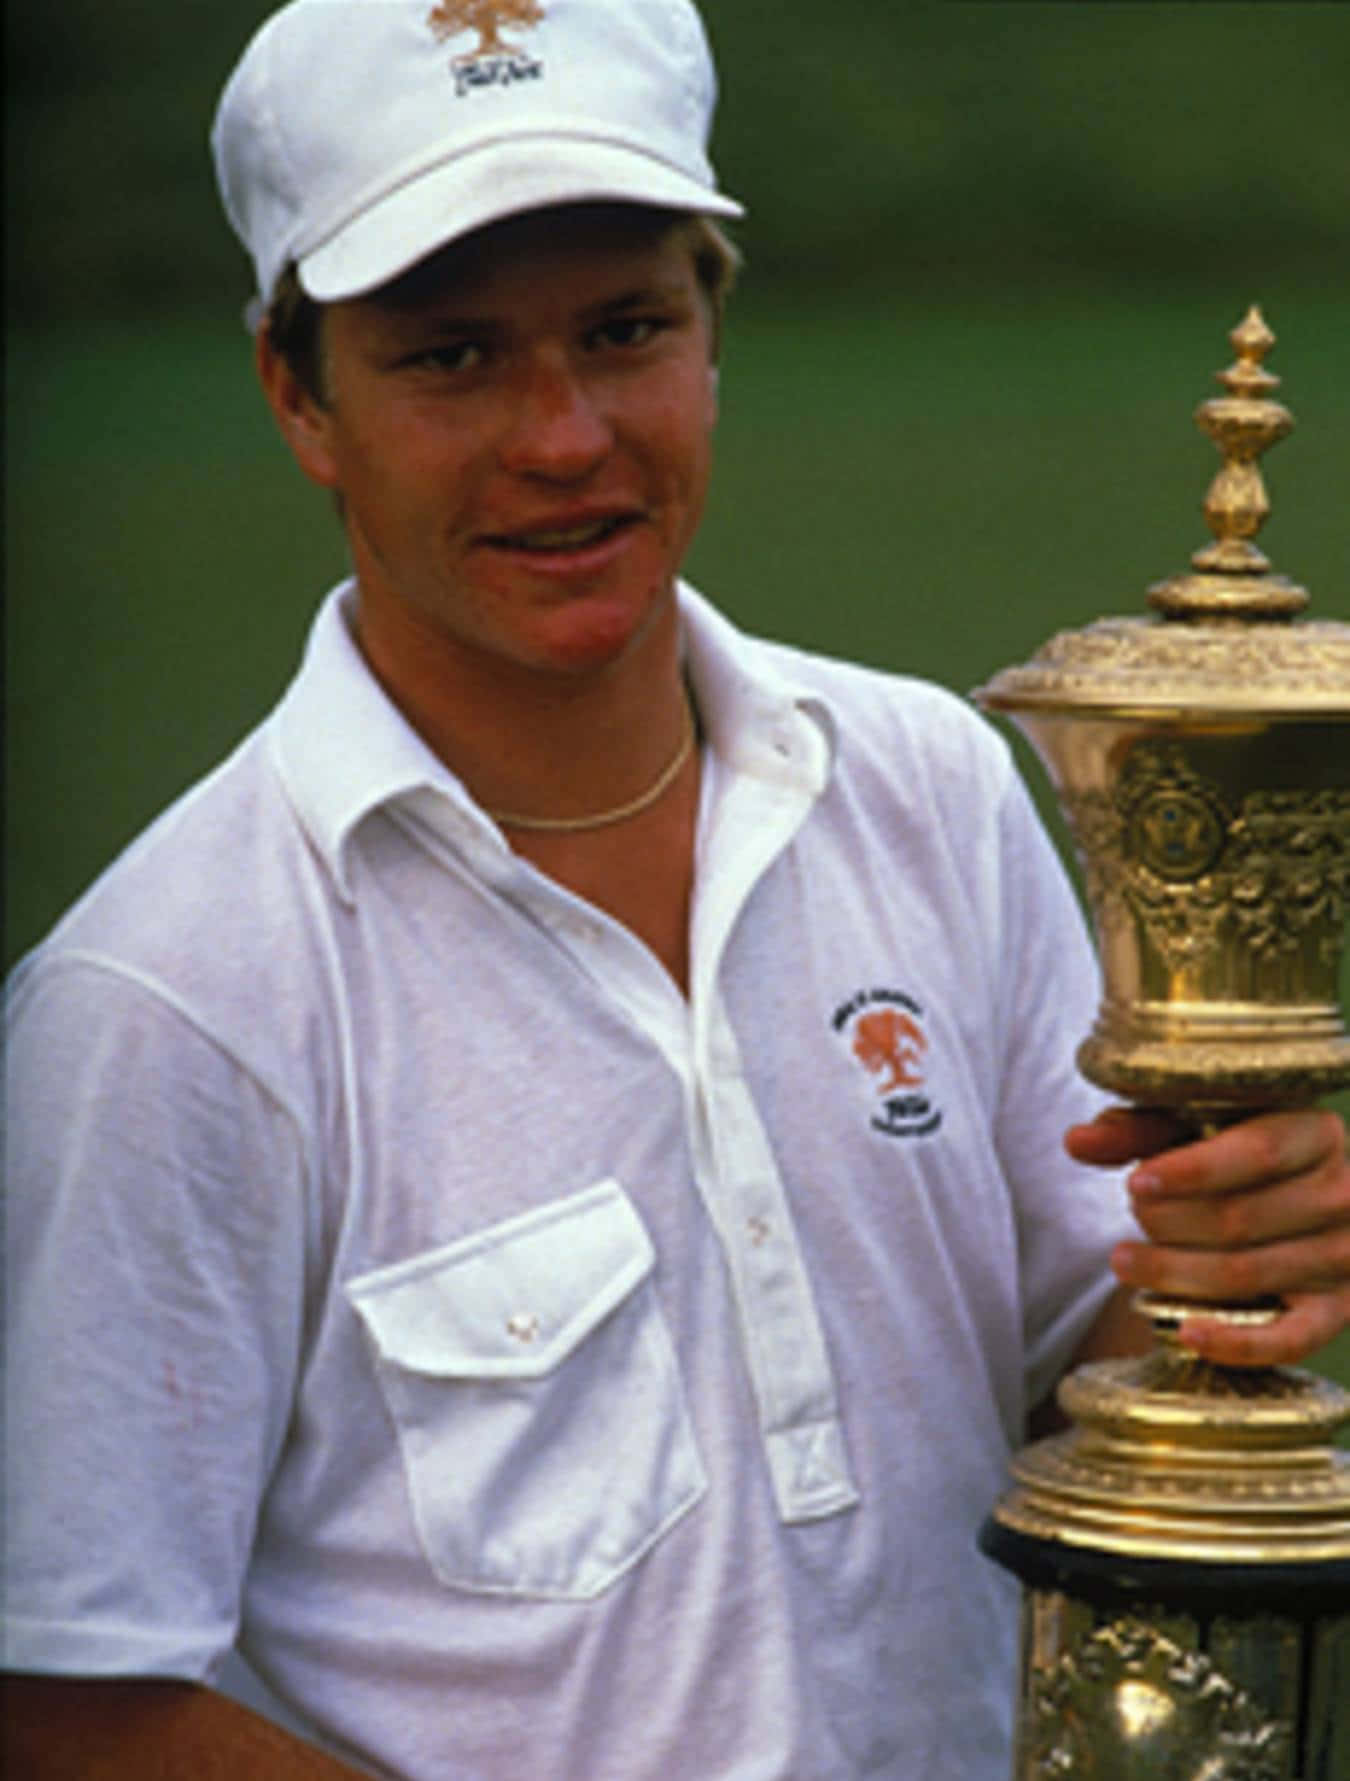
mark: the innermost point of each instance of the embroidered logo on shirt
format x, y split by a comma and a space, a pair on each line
493, 63
886, 1036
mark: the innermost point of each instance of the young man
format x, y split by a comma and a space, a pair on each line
539, 1202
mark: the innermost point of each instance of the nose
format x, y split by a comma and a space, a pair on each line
556, 428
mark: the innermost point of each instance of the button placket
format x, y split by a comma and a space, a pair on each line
619, 966
756, 814
785, 1345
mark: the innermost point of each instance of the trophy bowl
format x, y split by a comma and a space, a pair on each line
1202, 763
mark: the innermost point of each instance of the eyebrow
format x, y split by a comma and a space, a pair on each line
639, 296
413, 308
658, 295
448, 325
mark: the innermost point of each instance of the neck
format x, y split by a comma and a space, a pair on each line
544, 746
565, 747
612, 813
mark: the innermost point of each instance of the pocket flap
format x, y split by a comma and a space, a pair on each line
513, 1300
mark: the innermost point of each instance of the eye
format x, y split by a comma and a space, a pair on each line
628, 330
447, 356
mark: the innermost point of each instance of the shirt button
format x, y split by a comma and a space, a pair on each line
523, 1325
760, 1230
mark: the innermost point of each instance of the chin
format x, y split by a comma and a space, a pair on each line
592, 633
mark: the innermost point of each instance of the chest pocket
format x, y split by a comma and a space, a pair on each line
538, 1402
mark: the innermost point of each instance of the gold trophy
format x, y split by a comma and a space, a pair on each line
1185, 1548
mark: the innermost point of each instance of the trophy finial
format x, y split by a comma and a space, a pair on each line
1233, 576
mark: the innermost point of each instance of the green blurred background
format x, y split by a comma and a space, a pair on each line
993, 254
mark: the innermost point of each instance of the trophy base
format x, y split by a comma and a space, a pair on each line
1184, 1552
1147, 1670
1174, 1458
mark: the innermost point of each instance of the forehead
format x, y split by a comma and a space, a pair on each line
582, 240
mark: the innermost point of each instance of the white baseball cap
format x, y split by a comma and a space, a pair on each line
357, 136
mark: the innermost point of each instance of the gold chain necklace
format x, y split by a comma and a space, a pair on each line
563, 824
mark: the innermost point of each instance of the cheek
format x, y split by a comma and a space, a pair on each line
703, 442
405, 470
686, 430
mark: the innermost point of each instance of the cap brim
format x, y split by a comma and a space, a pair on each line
498, 180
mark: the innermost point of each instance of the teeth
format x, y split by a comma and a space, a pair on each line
569, 539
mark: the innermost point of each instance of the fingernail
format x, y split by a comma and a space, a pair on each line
1144, 1182
1122, 1262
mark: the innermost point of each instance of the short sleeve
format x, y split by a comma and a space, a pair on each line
1068, 1217
155, 1261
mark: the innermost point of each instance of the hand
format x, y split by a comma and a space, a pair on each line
1261, 1208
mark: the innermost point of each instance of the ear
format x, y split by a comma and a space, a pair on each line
305, 423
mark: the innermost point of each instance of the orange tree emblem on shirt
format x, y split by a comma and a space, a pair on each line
890, 1043
449, 17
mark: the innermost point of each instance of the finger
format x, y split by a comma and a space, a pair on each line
1308, 1323
1303, 1205
1252, 1153
1124, 1134
1317, 1263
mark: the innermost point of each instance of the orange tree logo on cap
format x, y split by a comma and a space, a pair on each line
492, 62
449, 17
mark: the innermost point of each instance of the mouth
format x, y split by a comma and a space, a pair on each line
552, 540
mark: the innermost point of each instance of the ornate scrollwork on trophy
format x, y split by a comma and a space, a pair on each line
1291, 869
1129, 1703
1192, 870
1307, 665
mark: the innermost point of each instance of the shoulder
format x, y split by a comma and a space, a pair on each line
201, 923
878, 718
190, 867
902, 739
871, 695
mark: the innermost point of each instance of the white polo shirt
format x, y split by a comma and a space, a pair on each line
540, 1374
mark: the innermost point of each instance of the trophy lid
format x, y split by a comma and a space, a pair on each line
1229, 639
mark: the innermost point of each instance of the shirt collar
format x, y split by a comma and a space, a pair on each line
757, 716
343, 749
